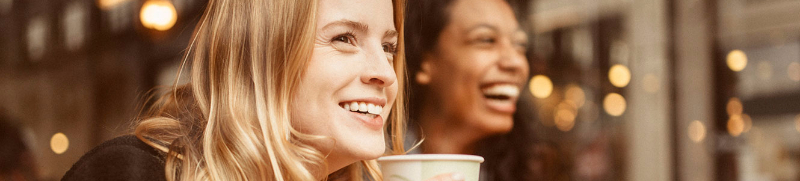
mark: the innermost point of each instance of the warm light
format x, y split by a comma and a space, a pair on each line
737, 60
735, 125
109, 4
697, 131
794, 71
614, 104
564, 116
619, 75
651, 83
541, 86
158, 14
748, 122
576, 95
734, 106
59, 143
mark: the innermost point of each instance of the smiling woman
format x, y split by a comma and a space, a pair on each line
280, 90
467, 66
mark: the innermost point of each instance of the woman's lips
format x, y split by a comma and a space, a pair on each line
501, 97
366, 110
374, 122
508, 106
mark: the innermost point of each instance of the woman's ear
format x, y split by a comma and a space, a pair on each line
423, 76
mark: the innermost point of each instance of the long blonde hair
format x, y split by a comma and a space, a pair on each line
231, 122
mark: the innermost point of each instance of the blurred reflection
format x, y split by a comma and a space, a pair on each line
697, 131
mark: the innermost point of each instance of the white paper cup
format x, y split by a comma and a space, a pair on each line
420, 167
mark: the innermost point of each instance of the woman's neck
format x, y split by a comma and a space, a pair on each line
447, 135
334, 164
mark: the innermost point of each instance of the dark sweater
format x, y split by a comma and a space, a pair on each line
122, 158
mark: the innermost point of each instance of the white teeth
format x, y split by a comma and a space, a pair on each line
502, 90
363, 107
353, 106
374, 109
370, 108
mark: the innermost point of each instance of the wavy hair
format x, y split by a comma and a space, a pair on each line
232, 120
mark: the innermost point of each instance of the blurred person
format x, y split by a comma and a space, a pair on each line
279, 90
467, 66
16, 160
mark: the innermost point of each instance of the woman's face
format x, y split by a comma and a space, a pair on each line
349, 85
475, 74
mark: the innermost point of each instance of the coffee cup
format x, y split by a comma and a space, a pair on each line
420, 167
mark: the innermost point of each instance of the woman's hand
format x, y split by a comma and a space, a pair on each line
448, 177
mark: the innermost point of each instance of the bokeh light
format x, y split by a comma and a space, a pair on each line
619, 75
614, 104
696, 131
575, 95
564, 116
158, 14
59, 143
541, 86
734, 106
735, 125
737, 60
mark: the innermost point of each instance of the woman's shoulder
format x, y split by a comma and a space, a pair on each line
122, 158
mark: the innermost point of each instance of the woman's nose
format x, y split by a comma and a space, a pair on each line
379, 70
512, 59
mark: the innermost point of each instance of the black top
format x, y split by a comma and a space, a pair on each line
122, 158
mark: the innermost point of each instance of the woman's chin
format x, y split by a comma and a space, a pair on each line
371, 151
498, 125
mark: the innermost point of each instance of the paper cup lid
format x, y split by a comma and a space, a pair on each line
432, 157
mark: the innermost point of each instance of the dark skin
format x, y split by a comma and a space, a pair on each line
481, 46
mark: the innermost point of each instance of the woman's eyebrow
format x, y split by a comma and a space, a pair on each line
482, 25
358, 26
390, 34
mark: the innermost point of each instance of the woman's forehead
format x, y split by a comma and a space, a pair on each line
375, 14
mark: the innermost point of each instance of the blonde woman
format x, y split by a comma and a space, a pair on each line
280, 90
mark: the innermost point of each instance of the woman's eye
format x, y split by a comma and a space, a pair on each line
344, 38
486, 40
522, 47
390, 48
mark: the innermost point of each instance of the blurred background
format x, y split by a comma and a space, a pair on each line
619, 89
